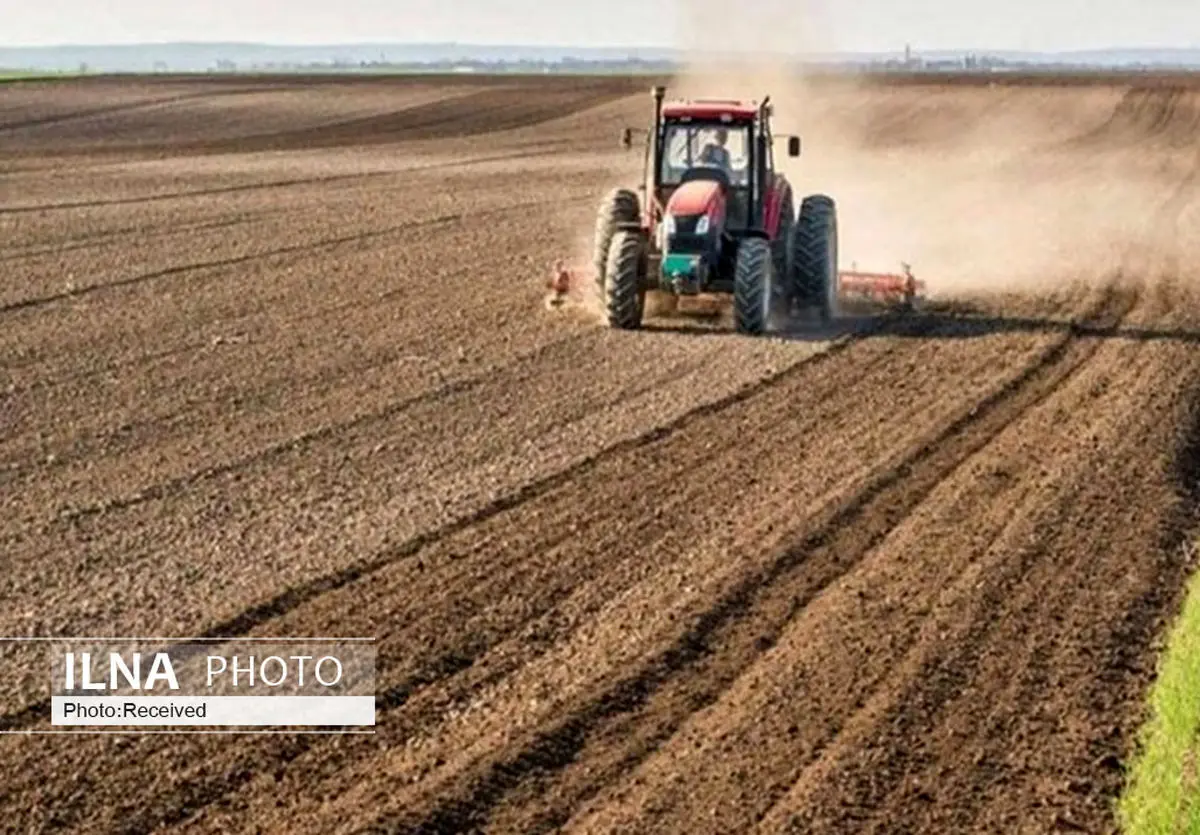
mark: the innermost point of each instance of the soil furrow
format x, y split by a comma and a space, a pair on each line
221, 263
320, 180
253, 618
746, 622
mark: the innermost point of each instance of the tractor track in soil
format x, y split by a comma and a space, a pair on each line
747, 619
252, 619
908, 576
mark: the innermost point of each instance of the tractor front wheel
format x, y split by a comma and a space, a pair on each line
624, 297
753, 291
618, 206
815, 255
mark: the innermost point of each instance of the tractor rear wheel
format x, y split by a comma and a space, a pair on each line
624, 297
781, 256
782, 242
753, 280
618, 206
815, 255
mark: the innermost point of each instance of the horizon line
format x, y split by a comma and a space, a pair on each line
917, 49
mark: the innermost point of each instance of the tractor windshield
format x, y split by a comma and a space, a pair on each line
715, 144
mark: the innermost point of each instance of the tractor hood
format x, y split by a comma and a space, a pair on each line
698, 197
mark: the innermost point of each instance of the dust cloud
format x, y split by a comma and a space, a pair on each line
977, 186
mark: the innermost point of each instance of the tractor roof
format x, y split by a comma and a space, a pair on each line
711, 109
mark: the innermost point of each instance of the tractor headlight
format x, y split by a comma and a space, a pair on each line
702, 225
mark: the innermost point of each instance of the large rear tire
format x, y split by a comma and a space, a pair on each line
782, 242
815, 255
624, 297
753, 292
618, 206
781, 256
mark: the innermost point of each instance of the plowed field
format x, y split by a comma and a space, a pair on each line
274, 361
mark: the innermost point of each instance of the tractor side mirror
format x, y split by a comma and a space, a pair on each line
793, 146
627, 138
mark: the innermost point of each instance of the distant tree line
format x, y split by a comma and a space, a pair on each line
565, 65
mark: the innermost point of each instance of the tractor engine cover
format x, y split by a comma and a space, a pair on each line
691, 230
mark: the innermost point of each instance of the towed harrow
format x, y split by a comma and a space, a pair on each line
900, 290
892, 289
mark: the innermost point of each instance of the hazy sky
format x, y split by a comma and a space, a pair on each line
838, 24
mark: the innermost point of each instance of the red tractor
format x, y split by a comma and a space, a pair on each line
714, 216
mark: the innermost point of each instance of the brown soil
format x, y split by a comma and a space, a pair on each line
283, 369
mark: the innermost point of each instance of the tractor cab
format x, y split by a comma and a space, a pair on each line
710, 169
707, 158
724, 143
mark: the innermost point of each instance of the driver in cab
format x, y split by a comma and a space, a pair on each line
715, 154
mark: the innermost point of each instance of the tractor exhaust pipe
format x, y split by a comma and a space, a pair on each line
659, 93
653, 152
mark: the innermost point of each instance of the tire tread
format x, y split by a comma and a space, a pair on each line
623, 296
751, 283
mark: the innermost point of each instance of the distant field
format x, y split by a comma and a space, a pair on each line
32, 75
